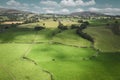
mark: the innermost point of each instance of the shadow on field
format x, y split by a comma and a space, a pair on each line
10, 34
110, 62
26, 35
109, 57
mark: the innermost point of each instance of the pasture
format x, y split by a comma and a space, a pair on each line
105, 39
26, 54
48, 23
70, 63
14, 67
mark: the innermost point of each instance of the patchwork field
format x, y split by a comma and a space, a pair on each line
63, 62
26, 54
48, 24
68, 63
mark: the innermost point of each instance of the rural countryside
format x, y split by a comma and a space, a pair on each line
59, 39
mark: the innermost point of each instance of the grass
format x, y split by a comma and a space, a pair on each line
17, 35
69, 37
105, 39
48, 24
64, 61
68, 60
102, 22
97, 23
29, 35
12, 22
67, 63
13, 67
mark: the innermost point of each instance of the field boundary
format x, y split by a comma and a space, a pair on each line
8, 72
33, 61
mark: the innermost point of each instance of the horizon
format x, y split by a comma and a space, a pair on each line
108, 7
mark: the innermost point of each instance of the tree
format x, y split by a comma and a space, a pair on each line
13, 25
115, 28
86, 22
84, 35
83, 26
80, 32
80, 21
61, 26
37, 28
0, 27
74, 26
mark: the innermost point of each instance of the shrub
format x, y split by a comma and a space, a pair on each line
37, 28
61, 26
73, 26
115, 28
80, 21
6, 27
87, 23
83, 26
84, 35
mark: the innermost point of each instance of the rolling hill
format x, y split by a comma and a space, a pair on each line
87, 14
13, 11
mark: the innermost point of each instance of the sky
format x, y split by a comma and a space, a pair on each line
110, 7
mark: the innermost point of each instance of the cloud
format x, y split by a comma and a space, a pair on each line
92, 2
49, 11
36, 7
108, 5
13, 3
64, 11
48, 8
63, 7
17, 5
68, 3
78, 10
1, 6
111, 11
94, 9
74, 3
49, 3
59, 11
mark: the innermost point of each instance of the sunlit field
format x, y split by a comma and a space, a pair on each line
48, 23
59, 39
105, 40
27, 54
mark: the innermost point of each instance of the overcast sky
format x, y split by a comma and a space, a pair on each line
63, 6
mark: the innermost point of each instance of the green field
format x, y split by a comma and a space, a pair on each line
13, 67
105, 39
63, 62
26, 54
48, 24
75, 63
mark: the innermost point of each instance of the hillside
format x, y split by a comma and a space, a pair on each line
13, 11
87, 14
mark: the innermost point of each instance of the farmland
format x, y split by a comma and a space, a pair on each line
59, 40
27, 54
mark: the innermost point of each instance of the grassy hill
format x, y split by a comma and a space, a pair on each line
48, 24
14, 67
105, 39
26, 54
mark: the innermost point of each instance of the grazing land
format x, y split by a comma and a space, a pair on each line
55, 54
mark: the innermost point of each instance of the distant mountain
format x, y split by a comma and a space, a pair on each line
12, 11
87, 14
